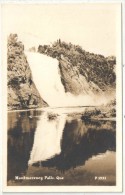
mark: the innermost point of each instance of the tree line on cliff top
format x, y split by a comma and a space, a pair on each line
94, 67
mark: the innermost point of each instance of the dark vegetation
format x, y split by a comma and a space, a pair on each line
22, 92
108, 111
95, 67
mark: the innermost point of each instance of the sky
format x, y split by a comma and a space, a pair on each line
92, 26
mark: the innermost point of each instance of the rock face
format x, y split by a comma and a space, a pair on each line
73, 81
22, 92
81, 71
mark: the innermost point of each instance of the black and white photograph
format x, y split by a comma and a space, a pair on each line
62, 75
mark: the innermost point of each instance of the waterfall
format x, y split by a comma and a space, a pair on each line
46, 76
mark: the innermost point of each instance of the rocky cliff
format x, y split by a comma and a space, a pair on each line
22, 92
81, 71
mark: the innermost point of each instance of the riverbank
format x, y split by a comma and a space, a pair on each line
103, 112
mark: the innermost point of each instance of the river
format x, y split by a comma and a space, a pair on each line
54, 146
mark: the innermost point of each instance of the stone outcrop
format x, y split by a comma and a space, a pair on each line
22, 92
82, 72
73, 81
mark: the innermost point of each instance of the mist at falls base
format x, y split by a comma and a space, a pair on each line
47, 78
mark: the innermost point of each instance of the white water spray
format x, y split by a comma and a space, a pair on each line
46, 76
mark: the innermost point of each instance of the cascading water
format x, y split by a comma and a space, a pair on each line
46, 76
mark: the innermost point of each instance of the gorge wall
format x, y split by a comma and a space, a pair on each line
60, 74
47, 78
82, 72
22, 92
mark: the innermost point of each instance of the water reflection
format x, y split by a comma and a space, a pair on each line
79, 143
48, 135
40, 143
21, 128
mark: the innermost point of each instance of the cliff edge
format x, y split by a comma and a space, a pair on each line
22, 92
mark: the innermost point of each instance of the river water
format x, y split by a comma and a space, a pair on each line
56, 147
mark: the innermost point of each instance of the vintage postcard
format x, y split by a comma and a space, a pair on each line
63, 97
